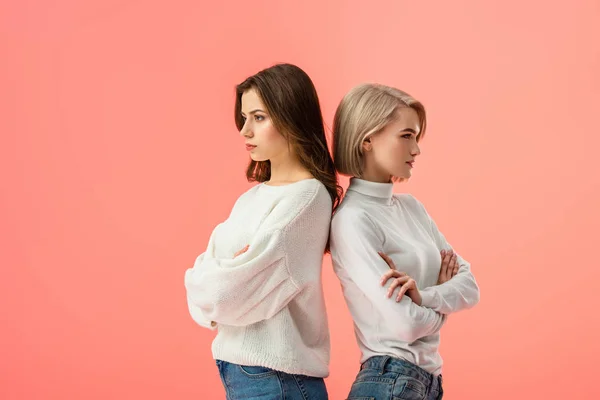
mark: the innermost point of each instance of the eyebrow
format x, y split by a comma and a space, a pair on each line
409, 130
254, 111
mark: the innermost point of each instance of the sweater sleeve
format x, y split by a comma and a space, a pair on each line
354, 248
195, 311
260, 282
459, 293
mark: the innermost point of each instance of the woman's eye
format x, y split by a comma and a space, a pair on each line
407, 136
258, 117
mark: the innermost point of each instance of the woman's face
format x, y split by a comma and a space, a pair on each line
391, 152
263, 140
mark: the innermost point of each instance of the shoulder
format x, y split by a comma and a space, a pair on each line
246, 197
408, 200
351, 215
303, 200
412, 204
352, 227
308, 199
309, 191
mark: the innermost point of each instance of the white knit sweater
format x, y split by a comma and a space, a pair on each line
267, 303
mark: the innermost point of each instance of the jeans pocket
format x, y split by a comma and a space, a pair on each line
409, 389
256, 372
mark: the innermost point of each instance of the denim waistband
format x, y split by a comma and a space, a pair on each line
391, 364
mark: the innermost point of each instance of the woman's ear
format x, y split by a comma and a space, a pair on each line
366, 144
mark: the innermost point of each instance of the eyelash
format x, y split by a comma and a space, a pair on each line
256, 118
407, 136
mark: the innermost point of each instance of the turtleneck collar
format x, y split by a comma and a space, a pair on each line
374, 189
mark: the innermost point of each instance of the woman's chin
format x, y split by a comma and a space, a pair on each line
257, 157
404, 176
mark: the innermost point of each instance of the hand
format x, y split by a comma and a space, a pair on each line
406, 283
242, 251
449, 266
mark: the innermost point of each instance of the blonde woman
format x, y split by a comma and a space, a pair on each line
399, 275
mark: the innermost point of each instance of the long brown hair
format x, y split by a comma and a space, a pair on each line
292, 102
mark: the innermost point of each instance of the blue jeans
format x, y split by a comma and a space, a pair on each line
384, 377
254, 383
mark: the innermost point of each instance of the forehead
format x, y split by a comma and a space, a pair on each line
251, 101
406, 118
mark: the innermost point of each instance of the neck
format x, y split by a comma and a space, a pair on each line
373, 174
376, 177
288, 169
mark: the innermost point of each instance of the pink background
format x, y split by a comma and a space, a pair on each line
119, 154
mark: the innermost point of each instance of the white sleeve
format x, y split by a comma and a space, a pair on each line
354, 248
459, 293
257, 284
195, 311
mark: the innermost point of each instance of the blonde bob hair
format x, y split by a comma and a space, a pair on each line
363, 112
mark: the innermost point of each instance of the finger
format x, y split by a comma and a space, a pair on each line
446, 255
397, 282
410, 284
388, 260
385, 277
449, 255
407, 285
242, 251
454, 265
444, 266
391, 274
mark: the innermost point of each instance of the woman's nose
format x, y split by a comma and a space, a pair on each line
246, 130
